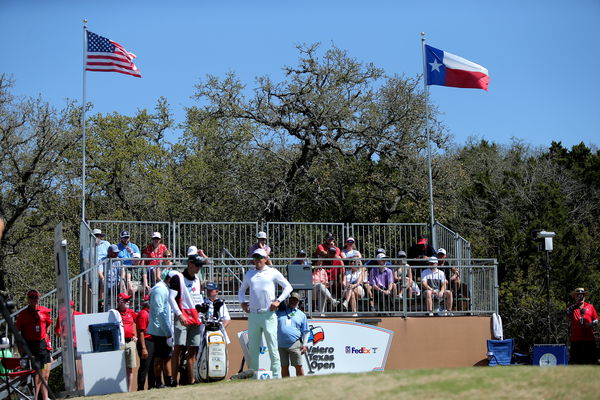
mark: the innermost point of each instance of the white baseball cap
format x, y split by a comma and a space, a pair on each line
156, 235
97, 232
260, 252
441, 250
192, 250
381, 255
432, 260
261, 235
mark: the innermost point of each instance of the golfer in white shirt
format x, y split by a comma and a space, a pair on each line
261, 308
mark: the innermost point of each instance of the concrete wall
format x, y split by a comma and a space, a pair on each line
419, 342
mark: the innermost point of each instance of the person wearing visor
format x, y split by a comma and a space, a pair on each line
34, 324
260, 281
582, 318
128, 318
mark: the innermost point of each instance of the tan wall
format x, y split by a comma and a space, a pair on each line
420, 342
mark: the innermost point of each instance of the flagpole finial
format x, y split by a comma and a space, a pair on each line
85, 21
422, 35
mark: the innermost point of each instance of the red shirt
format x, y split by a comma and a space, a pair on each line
578, 331
142, 320
334, 273
128, 317
150, 253
61, 321
324, 247
34, 323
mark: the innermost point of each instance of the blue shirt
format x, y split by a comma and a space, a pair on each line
159, 322
291, 324
123, 253
102, 250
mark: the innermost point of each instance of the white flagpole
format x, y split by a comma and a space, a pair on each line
83, 124
431, 214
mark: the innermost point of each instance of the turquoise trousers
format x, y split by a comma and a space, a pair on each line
259, 324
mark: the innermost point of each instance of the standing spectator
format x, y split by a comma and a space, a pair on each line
320, 280
184, 295
34, 324
155, 249
292, 336
261, 243
323, 249
352, 286
113, 278
128, 317
128, 251
381, 283
101, 245
434, 285
160, 327
145, 347
261, 308
349, 250
335, 271
582, 318
421, 250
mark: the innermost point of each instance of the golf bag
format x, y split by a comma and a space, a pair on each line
212, 363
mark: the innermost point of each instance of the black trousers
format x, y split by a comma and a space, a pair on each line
583, 352
146, 368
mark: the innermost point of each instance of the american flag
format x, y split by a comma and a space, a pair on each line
104, 55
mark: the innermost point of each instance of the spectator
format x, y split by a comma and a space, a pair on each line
61, 323
377, 253
292, 336
335, 271
128, 317
101, 245
301, 258
582, 318
320, 280
407, 283
352, 286
434, 285
4, 353
155, 249
328, 243
113, 278
421, 250
145, 347
262, 319
261, 243
129, 251
34, 324
185, 294
381, 283
349, 250
160, 328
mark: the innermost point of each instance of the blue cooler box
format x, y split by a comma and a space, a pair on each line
548, 355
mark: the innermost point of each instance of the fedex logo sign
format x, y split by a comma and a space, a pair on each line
361, 350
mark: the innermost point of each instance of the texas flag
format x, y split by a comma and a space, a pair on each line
447, 69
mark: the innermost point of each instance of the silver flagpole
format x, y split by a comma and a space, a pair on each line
431, 214
83, 124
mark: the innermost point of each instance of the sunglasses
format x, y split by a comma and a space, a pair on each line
257, 257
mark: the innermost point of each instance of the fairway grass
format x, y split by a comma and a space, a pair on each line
515, 382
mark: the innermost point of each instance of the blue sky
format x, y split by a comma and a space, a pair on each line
540, 54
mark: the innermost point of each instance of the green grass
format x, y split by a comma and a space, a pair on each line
518, 382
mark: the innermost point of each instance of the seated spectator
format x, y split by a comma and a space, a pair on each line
323, 249
421, 250
129, 251
155, 249
352, 288
114, 277
301, 258
434, 286
407, 283
320, 280
261, 243
377, 253
349, 251
381, 283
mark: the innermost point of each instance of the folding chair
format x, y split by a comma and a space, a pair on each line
18, 376
501, 352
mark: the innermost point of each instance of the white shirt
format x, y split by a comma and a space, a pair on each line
262, 288
434, 279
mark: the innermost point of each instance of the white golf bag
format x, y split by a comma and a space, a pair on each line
212, 363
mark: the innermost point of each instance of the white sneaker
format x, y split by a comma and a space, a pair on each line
430, 314
345, 304
322, 315
355, 315
335, 303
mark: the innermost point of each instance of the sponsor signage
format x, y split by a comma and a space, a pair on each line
337, 346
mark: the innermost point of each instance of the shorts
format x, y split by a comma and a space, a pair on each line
291, 355
39, 351
130, 354
161, 348
186, 335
